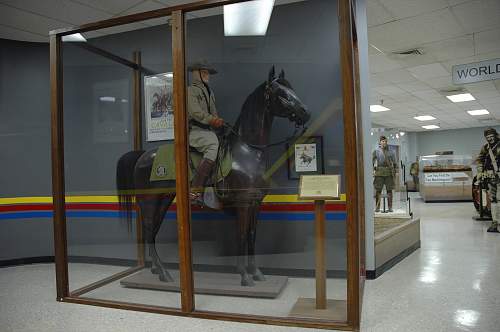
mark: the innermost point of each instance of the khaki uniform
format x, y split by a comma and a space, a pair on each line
384, 164
201, 110
485, 165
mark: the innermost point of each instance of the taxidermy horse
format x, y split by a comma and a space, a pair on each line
243, 188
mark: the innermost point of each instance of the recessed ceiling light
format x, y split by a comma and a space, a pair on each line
248, 18
461, 97
431, 127
76, 37
478, 112
402, 133
378, 108
424, 118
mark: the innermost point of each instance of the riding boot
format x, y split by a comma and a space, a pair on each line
389, 200
377, 201
200, 178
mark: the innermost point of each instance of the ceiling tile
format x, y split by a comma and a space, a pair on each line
424, 72
377, 14
143, 6
23, 20
15, 34
414, 86
487, 41
408, 8
381, 62
477, 15
110, 6
414, 31
389, 90
453, 48
71, 13
397, 76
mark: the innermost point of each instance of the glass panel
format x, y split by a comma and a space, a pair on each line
253, 239
100, 163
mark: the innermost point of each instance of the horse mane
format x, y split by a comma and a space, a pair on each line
254, 103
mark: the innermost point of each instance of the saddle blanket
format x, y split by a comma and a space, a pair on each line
164, 164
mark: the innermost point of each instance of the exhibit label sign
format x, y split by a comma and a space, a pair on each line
476, 72
158, 97
438, 177
319, 187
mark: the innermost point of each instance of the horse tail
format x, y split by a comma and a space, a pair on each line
125, 184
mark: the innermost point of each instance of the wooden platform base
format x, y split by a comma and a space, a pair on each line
209, 283
336, 310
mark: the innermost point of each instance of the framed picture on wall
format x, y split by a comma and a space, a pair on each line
159, 107
306, 158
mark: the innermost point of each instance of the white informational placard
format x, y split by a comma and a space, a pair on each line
159, 107
438, 177
319, 187
305, 158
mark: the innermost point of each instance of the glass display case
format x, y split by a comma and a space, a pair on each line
446, 178
177, 164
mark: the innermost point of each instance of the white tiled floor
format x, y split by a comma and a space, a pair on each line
451, 284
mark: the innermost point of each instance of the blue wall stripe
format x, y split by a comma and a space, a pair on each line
269, 216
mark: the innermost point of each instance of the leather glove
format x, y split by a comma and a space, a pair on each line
216, 123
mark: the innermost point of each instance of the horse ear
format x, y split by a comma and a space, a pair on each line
282, 74
272, 75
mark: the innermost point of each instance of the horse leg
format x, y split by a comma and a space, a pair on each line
242, 238
256, 273
151, 221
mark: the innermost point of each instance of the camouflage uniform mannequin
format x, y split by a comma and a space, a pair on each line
203, 119
384, 168
488, 163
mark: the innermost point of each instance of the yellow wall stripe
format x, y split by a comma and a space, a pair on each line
114, 199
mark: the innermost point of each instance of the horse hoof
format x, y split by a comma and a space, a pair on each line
247, 281
259, 276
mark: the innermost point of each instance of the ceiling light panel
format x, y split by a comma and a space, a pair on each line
461, 97
248, 18
478, 112
424, 118
431, 127
378, 108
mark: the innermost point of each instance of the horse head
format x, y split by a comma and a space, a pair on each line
283, 101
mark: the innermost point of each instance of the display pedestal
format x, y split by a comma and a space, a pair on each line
320, 307
212, 283
306, 308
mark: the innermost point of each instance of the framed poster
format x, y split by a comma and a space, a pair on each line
306, 158
159, 107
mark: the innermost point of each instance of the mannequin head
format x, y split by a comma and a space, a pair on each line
201, 75
383, 142
491, 135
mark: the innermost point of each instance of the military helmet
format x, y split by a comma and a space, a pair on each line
490, 131
202, 65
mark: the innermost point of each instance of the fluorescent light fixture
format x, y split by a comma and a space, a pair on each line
461, 97
478, 112
424, 118
169, 75
248, 18
107, 99
378, 108
76, 37
431, 127
402, 133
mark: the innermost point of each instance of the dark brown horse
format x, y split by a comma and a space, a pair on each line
242, 190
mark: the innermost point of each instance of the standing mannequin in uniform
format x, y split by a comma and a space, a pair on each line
203, 120
384, 170
488, 163
414, 173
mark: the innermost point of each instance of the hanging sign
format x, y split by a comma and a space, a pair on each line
476, 72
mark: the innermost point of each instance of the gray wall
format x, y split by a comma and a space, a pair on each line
311, 65
461, 141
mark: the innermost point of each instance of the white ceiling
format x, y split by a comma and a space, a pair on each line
448, 32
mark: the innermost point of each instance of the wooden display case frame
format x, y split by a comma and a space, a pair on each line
353, 169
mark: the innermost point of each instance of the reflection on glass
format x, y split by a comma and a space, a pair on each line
466, 318
272, 107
